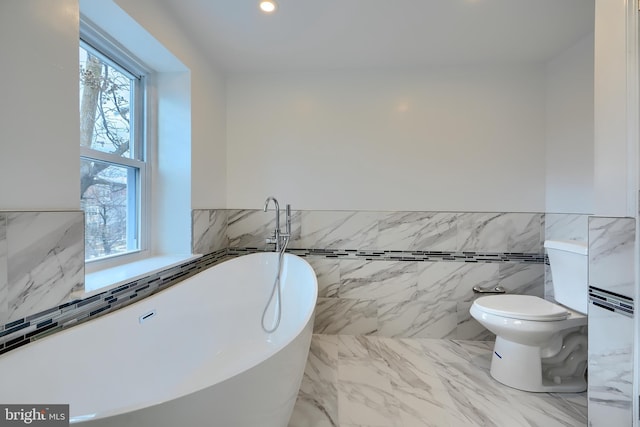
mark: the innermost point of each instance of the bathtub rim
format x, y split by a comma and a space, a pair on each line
79, 419
144, 403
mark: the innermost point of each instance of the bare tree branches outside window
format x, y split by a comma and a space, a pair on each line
105, 107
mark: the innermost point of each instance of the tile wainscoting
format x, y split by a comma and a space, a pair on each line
35, 326
41, 261
397, 274
611, 331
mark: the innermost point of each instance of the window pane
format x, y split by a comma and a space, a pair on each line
105, 105
109, 202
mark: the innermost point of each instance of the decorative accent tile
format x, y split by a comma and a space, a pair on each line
418, 286
383, 255
38, 325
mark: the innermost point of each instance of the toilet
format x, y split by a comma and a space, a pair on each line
541, 346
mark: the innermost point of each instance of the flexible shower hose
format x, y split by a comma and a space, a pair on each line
276, 292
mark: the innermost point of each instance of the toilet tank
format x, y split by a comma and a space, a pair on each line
569, 265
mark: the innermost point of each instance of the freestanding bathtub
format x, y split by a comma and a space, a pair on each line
194, 354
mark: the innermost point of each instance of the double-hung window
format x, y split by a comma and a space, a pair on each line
113, 167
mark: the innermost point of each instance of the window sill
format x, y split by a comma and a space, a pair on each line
103, 280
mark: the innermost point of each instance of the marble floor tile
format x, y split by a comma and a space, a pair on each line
409, 368
358, 347
420, 407
317, 405
547, 411
362, 404
369, 381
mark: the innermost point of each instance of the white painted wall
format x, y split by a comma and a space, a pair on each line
615, 167
39, 123
569, 125
455, 138
208, 102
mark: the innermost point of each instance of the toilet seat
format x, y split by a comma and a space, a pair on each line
522, 307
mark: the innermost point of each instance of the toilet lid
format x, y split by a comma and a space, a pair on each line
524, 307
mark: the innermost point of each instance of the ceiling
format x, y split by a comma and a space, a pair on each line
339, 34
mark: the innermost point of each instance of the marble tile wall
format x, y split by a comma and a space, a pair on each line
395, 295
411, 299
41, 261
404, 231
611, 254
208, 230
563, 227
611, 333
54, 319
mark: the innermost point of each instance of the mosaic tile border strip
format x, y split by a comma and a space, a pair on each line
23, 331
428, 256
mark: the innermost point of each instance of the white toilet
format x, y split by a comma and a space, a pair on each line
541, 346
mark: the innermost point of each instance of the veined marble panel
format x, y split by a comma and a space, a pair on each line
522, 279
322, 363
45, 261
500, 232
425, 231
209, 230
469, 328
425, 408
251, 227
566, 227
543, 410
328, 274
417, 319
4, 284
548, 284
478, 398
358, 347
454, 281
317, 404
383, 281
365, 395
417, 383
611, 259
610, 368
339, 229
345, 316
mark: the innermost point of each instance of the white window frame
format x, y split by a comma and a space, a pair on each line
92, 38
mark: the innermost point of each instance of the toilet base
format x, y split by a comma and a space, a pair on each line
520, 366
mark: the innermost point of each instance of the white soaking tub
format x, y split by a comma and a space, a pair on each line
200, 358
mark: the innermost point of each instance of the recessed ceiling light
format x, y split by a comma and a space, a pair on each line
268, 6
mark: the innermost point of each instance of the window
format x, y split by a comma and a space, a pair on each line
113, 169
